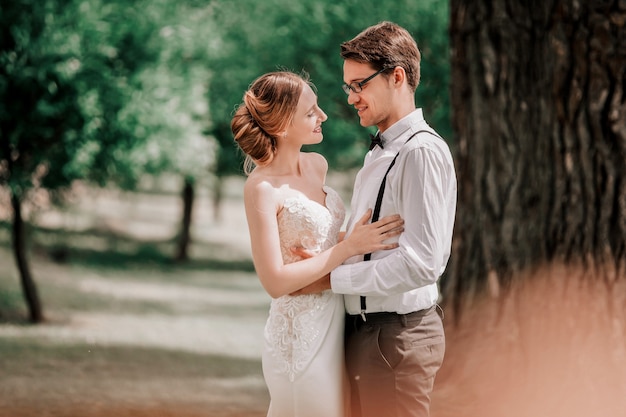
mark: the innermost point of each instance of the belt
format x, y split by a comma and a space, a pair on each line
388, 317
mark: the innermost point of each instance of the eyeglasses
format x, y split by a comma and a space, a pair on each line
357, 87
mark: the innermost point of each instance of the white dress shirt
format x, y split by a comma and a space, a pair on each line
422, 188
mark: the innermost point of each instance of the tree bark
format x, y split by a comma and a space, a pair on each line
29, 288
184, 239
538, 95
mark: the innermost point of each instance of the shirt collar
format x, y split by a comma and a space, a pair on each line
407, 123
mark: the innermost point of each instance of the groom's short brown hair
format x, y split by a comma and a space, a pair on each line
385, 45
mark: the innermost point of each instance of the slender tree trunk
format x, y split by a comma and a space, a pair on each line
19, 250
184, 239
218, 196
539, 110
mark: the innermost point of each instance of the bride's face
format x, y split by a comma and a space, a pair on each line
306, 125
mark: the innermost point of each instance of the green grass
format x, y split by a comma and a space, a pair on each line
128, 331
46, 359
11, 303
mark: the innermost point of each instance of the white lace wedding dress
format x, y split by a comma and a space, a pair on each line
303, 357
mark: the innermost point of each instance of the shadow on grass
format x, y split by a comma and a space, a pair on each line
103, 250
95, 381
107, 249
79, 360
144, 253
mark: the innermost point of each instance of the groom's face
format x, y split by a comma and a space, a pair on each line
373, 102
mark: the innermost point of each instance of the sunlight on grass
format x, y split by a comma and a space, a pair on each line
140, 337
128, 331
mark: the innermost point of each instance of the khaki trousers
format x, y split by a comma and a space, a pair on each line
392, 361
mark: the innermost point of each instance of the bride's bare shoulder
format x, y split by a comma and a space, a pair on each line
316, 161
258, 182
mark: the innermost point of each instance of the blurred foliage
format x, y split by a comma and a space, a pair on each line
257, 37
40, 115
108, 90
99, 90
171, 106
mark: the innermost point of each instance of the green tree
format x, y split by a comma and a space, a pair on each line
40, 117
257, 37
66, 72
171, 110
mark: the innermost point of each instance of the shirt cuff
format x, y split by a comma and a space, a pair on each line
340, 281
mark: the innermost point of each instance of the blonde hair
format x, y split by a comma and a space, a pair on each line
267, 109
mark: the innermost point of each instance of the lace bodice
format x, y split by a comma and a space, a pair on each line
306, 223
293, 329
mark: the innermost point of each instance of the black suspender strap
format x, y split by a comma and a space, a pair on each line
379, 201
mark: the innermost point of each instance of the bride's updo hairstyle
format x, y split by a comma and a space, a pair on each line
267, 109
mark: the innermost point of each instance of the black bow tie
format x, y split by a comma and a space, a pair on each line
376, 140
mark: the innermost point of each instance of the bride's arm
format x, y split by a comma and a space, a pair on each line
280, 279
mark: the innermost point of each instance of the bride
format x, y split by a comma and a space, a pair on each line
289, 206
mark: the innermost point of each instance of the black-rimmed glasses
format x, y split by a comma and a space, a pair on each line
357, 86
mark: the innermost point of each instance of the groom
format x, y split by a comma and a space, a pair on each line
395, 339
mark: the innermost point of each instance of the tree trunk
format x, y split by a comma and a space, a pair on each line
218, 197
19, 250
538, 95
185, 230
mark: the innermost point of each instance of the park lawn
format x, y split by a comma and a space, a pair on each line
132, 340
129, 333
